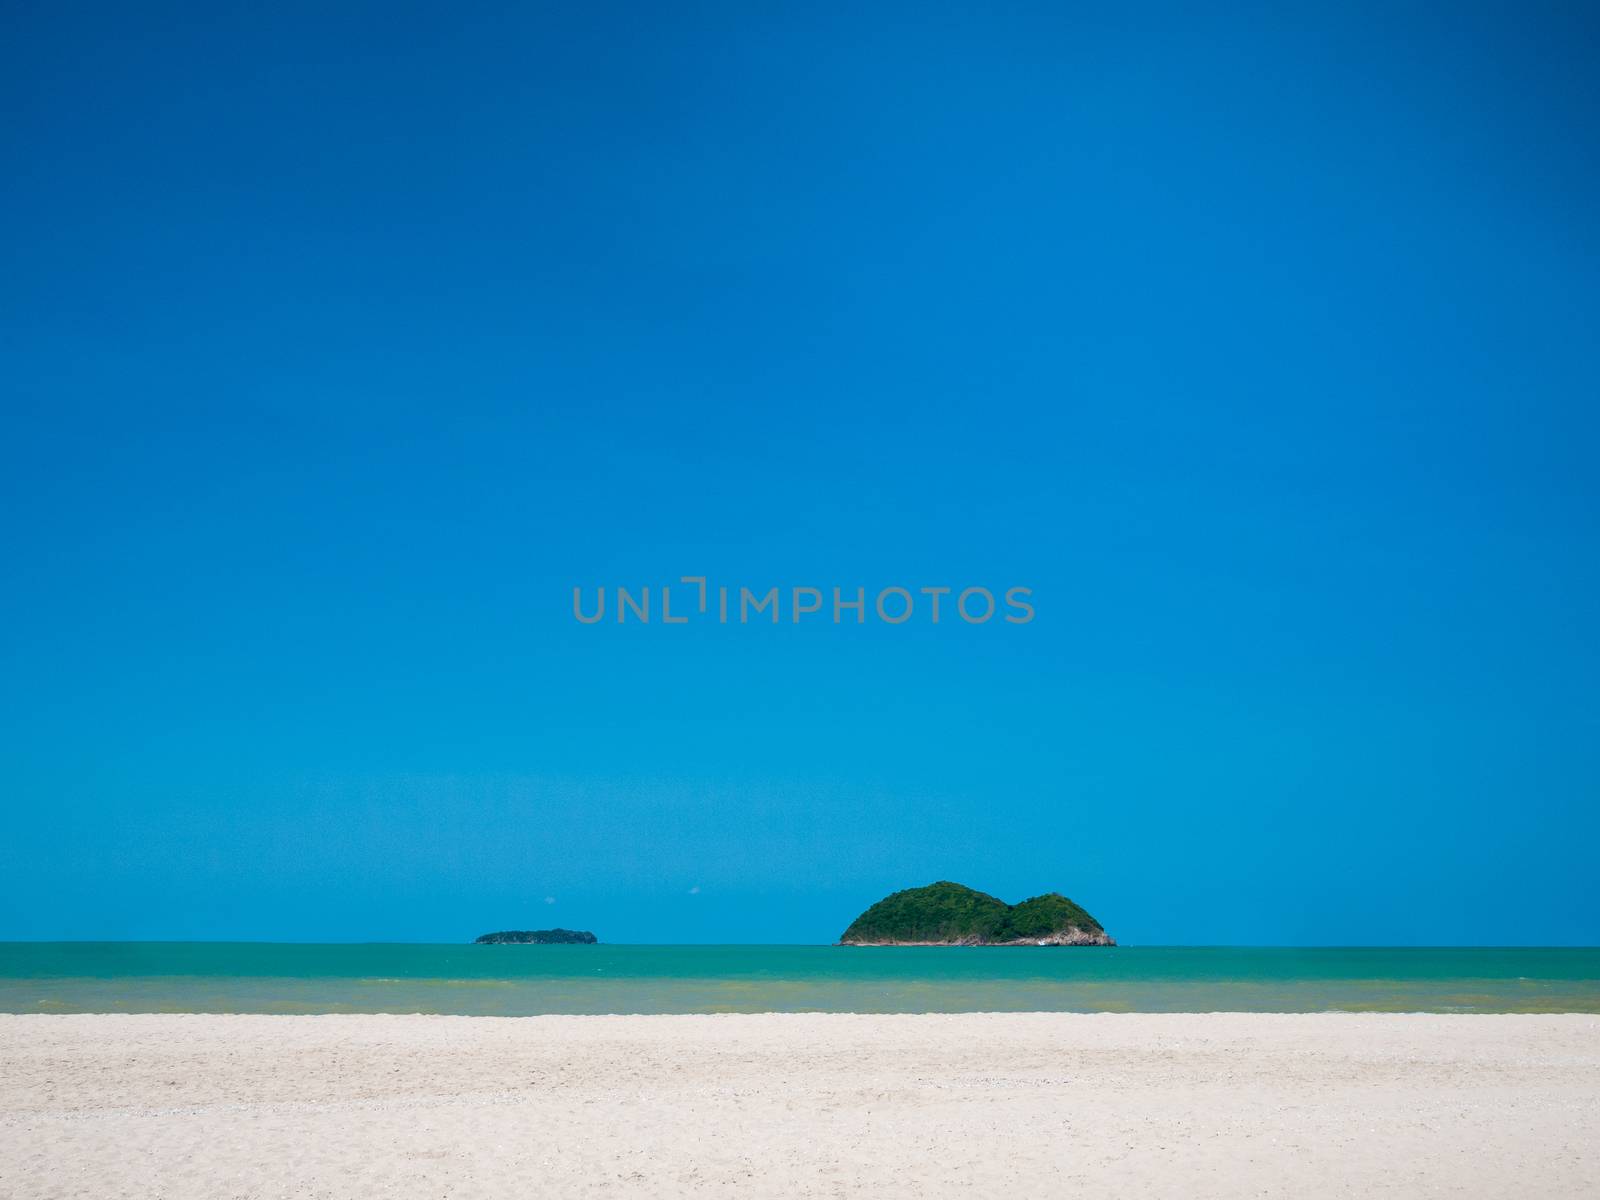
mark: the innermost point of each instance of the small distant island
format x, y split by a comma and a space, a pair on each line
537, 937
948, 914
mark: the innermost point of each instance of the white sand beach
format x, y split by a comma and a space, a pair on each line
979, 1105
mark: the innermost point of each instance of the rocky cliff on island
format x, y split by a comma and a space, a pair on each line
538, 937
948, 914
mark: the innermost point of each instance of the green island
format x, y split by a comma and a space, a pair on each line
537, 937
948, 914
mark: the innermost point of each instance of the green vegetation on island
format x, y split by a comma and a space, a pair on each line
948, 914
537, 937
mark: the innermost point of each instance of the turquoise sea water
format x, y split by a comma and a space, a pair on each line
65, 977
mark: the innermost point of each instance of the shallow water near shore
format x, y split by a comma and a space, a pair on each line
245, 977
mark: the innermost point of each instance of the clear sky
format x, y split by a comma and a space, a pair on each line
342, 341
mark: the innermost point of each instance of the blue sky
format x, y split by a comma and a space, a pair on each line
341, 342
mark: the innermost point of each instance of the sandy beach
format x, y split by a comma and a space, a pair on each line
1050, 1104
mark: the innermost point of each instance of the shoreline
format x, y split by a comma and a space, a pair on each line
606, 979
192, 1105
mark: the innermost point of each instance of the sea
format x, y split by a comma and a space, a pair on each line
258, 977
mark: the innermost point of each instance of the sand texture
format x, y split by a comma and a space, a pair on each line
979, 1105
